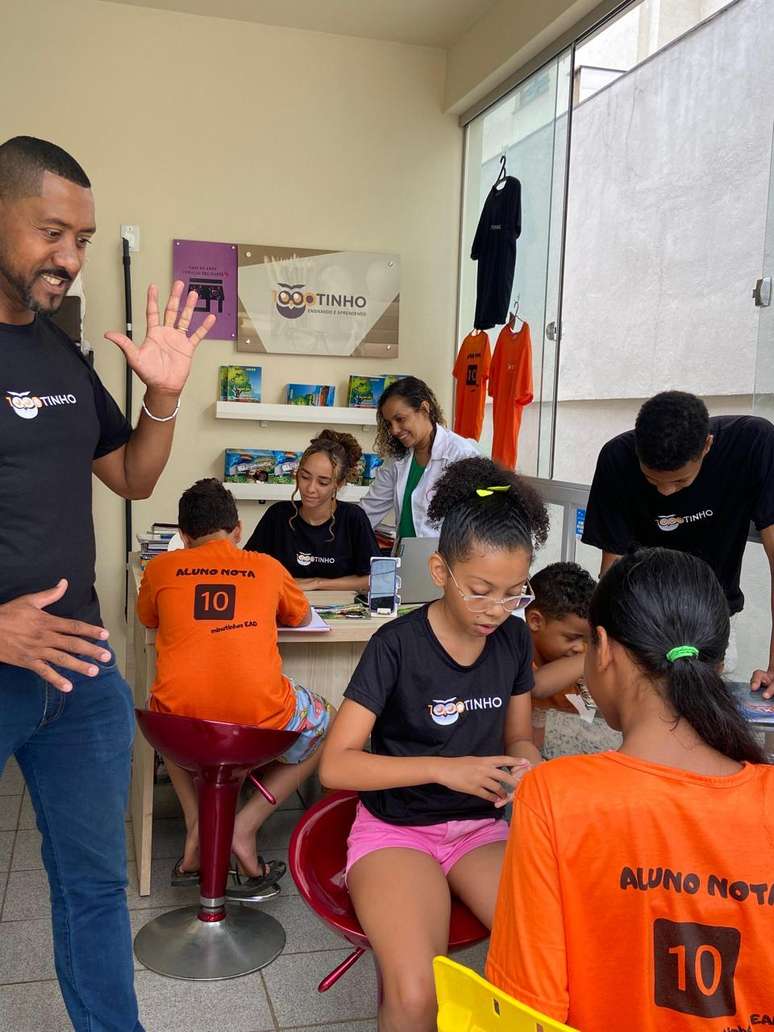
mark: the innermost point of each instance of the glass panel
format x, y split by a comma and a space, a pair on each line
763, 401
529, 128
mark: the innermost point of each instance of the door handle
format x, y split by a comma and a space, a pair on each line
552, 330
762, 292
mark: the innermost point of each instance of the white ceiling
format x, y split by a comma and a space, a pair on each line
434, 23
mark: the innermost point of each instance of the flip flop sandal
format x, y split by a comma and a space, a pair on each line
258, 889
181, 878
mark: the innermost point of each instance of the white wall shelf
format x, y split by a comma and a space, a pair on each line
265, 413
279, 492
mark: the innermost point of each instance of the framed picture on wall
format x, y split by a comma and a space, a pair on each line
209, 269
305, 302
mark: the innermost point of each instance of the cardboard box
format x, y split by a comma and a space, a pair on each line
260, 466
239, 383
310, 394
365, 391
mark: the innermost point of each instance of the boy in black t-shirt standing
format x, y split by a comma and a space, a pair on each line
65, 711
684, 480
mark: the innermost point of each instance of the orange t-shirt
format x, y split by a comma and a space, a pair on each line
638, 897
471, 371
510, 384
216, 608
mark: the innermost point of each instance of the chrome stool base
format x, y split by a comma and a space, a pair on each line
179, 945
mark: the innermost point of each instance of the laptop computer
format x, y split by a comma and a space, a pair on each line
416, 584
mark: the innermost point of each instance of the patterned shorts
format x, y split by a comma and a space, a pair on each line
312, 718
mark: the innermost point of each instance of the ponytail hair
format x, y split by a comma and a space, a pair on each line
511, 516
657, 599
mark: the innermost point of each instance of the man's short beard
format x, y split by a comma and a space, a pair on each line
23, 291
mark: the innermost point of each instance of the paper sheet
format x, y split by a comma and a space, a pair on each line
315, 626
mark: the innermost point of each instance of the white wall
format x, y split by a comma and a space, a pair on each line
217, 130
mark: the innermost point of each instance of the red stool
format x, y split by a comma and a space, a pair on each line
212, 940
317, 855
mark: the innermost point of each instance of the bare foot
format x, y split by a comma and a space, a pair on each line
190, 861
244, 849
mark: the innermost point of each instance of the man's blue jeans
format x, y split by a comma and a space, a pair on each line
75, 753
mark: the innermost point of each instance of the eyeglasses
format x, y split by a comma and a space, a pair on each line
480, 603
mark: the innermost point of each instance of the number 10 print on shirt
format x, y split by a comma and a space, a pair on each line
214, 601
694, 967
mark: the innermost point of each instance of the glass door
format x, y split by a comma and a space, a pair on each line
528, 128
763, 295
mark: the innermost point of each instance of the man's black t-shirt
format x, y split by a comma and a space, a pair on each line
55, 419
307, 551
426, 704
709, 519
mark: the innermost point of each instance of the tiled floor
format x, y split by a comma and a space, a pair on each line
282, 996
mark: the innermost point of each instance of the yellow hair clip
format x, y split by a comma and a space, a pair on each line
484, 492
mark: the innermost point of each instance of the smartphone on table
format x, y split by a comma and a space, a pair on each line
383, 586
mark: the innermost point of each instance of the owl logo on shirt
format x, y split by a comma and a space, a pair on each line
446, 711
22, 404
303, 558
668, 523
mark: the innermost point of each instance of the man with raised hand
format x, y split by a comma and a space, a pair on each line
65, 711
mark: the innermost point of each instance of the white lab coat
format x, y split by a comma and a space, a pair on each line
387, 490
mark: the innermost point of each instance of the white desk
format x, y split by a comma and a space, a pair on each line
323, 662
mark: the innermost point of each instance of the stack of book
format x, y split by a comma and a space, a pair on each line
155, 541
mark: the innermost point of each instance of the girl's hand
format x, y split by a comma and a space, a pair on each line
483, 776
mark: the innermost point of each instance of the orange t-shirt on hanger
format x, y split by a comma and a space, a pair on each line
471, 371
510, 384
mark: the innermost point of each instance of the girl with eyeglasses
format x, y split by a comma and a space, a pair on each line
444, 694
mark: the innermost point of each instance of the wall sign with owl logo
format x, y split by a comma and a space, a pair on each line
303, 302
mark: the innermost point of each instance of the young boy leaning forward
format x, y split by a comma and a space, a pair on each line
217, 608
558, 621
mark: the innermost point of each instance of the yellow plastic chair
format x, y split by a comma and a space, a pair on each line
468, 1003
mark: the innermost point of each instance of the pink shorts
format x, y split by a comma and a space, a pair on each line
447, 842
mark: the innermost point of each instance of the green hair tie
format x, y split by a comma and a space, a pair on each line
484, 492
682, 652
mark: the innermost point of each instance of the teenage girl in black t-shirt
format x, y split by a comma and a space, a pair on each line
326, 544
444, 694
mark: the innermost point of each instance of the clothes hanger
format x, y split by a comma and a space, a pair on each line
501, 175
515, 315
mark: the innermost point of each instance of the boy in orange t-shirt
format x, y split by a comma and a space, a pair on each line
558, 620
216, 608
637, 890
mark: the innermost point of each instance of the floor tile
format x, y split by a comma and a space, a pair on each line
26, 897
168, 837
9, 812
292, 982
162, 894
33, 1008
11, 780
304, 930
6, 848
349, 1026
26, 953
27, 814
474, 956
234, 1005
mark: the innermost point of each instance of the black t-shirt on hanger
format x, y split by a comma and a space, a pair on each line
494, 248
709, 519
426, 704
55, 419
307, 551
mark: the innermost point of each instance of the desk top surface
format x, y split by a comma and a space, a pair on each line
341, 631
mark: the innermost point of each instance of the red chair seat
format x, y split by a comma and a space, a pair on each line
317, 855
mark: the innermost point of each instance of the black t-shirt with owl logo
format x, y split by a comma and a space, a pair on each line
55, 419
340, 547
426, 704
710, 518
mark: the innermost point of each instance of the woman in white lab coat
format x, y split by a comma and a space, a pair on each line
417, 449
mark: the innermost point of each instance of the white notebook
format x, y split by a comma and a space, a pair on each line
315, 626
